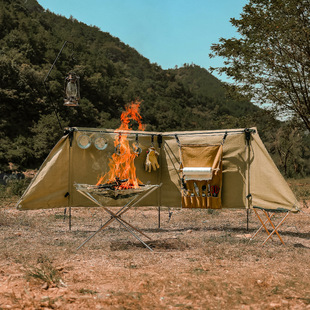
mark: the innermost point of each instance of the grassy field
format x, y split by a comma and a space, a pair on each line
202, 259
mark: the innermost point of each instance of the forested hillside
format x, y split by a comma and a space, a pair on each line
112, 74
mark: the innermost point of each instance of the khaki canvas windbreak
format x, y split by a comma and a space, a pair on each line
250, 178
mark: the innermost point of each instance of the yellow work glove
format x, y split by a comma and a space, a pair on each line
151, 160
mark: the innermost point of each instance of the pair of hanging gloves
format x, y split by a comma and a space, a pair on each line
151, 159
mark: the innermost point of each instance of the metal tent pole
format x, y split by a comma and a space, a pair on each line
248, 134
159, 181
70, 187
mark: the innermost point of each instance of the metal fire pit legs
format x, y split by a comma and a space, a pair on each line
117, 216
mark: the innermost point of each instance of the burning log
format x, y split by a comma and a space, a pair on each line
116, 185
113, 185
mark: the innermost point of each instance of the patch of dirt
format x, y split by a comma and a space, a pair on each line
167, 244
200, 260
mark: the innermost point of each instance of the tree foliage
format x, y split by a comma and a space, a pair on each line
271, 60
290, 147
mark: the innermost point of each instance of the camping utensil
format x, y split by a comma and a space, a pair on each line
136, 148
215, 191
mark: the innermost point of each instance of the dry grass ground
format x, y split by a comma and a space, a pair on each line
201, 260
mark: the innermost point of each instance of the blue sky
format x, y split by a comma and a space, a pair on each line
167, 32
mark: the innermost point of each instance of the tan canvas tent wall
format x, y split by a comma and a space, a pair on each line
250, 178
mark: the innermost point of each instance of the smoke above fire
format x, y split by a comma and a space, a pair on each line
121, 164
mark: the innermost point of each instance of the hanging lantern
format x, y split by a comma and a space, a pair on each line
72, 90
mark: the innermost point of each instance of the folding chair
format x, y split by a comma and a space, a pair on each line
85, 190
269, 214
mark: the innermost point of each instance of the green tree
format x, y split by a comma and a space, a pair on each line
271, 60
46, 131
289, 147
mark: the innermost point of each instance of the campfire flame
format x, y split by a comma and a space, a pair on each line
122, 169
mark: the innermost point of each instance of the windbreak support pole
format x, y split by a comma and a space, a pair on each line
159, 175
70, 133
248, 135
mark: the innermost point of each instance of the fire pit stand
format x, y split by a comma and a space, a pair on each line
132, 199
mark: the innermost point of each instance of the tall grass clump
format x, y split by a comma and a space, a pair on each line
44, 271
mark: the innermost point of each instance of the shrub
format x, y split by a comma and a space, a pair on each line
17, 187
